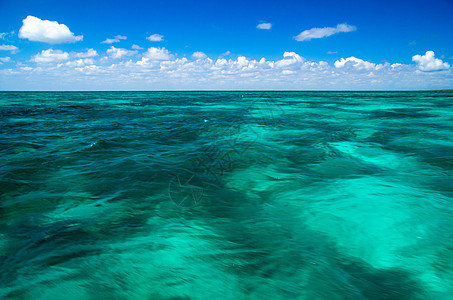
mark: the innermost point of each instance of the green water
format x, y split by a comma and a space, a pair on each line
226, 195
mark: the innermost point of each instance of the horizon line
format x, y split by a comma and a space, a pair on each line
188, 91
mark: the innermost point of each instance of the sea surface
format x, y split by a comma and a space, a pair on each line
226, 195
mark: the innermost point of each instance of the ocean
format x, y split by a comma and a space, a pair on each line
226, 195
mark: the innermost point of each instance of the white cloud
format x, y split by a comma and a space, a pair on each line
57, 56
110, 41
155, 54
396, 65
5, 59
50, 56
226, 53
429, 63
264, 26
155, 37
199, 55
356, 63
11, 48
317, 33
289, 59
158, 68
136, 47
116, 39
3, 35
89, 53
288, 72
35, 29
119, 52
80, 62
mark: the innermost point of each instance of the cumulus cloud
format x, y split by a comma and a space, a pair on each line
396, 65
50, 56
199, 55
289, 59
428, 63
119, 52
155, 37
80, 62
37, 30
11, 48
265, 26
116, 39
317, 33
136, 47
89, 53
356, 63
155, 54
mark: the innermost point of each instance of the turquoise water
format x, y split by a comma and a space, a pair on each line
226, 195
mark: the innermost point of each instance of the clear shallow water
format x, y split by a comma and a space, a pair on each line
229, 195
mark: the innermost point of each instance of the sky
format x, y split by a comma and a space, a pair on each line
226, 45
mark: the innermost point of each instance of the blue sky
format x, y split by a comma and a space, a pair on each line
305, 45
